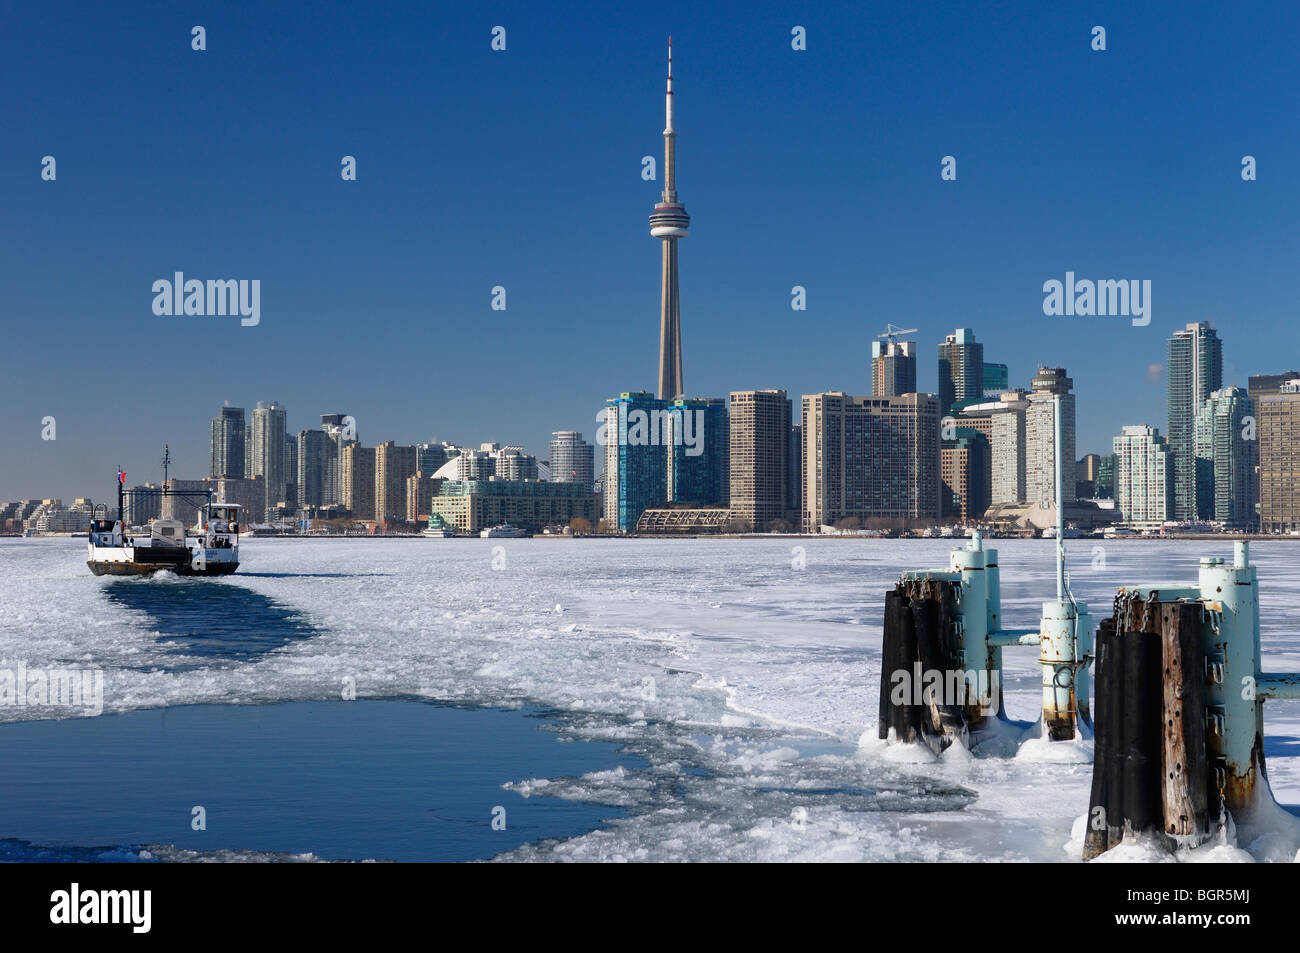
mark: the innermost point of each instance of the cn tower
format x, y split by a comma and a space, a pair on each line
669, 222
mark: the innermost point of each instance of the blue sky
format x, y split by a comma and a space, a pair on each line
522, 169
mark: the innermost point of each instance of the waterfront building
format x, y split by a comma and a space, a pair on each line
761, 452
1144, 477
634, 434
870, 458
1227, 453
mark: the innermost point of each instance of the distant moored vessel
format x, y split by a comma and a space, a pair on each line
504, 531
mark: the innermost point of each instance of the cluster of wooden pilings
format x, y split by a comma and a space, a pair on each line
1150, 767
925, 695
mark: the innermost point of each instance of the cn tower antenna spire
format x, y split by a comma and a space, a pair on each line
668, 106
669, 222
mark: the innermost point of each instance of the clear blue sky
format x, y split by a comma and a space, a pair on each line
818, 168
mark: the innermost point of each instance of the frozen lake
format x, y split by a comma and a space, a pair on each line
742, 683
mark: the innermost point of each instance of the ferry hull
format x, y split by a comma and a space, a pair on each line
120, 568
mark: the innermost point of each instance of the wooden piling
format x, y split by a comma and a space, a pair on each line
1183, 763
1097, 837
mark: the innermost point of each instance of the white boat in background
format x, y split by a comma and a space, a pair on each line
504, 531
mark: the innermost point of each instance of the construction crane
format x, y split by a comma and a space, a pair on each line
893, 331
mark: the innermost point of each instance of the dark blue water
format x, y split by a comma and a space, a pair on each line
211, 621
395, 779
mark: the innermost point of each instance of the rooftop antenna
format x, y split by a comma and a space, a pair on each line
166, 462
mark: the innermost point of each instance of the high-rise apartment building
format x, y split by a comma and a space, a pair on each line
1278, 428
962, 466
1085, 476
357, 475
871, 458
1049, 384
393, 465
1143, 477
997, 379
961, 369
1002, 421
794, 478
1105, 488
341, 429
290, 498
636, 457
512, 463
317, 454
226, 454
267, 453
699, 451
893, 368
1195, 371
421, 488
1265, 385
573, 460
760, 456
1227, 453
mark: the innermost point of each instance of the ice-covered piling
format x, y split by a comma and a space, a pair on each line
1203, 711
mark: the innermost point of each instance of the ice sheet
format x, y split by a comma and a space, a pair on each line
748, 682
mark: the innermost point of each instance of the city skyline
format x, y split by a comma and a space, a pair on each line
351, 314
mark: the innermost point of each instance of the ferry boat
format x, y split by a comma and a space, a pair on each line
504, 531
211, 549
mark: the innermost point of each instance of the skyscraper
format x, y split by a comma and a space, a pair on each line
669, 222
961, 369
290, 497
227, 444
1226, 455
996, 378
357, 476
699, 454
393, 465
573, 460
341, 430
1279, 458
893, 368
317, 467
870, 458
636, 458
760, 456
267, 453
1001, 420
1085, 476
429, 457
1105, 488
1040, 437
1195, 371
962, 469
